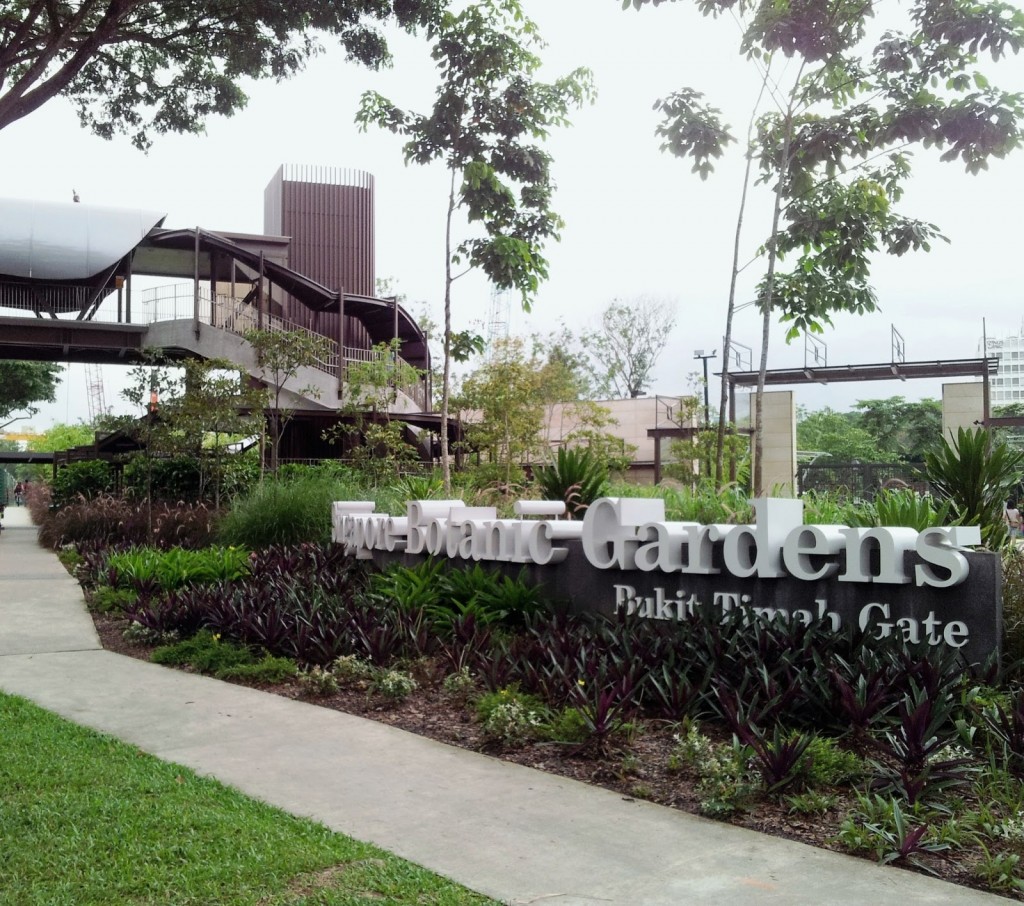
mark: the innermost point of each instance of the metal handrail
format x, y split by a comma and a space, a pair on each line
176, 301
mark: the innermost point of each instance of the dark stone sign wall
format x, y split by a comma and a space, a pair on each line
927, 588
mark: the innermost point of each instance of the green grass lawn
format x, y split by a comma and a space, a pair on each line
85, 819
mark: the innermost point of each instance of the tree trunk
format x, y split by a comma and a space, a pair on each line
773, 257
446, 468
731, 310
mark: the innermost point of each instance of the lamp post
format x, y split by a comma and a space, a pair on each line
699, 354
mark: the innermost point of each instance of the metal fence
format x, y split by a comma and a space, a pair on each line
860, 480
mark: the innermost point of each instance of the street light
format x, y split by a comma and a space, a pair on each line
699, 354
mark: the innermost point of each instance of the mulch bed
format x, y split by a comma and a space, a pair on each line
637, 768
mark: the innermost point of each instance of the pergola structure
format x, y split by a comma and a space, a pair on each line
885, 371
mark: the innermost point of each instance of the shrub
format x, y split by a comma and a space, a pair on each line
566, 725
448, 594
108, 600
173, 477
826, 764
38, 498
289, 510
268, 671
82, 480
204, 652
143, 635
318, 681
459, 684
349, 669
393, 684
509, 717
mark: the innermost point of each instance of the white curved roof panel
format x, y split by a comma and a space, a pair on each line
56, 241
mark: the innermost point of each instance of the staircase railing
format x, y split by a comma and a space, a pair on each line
176, 302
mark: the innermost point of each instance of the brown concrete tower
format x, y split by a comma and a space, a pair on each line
328, 213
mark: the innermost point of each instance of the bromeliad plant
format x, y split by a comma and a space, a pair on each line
575, 476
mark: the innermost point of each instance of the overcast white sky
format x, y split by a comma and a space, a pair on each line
637, 221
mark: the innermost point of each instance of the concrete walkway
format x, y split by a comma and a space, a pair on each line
518, 835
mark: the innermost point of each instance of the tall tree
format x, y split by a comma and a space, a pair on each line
25, 383
140, 68
902, 430
625, 348
281, 356
837, 435
489, 117
834, 150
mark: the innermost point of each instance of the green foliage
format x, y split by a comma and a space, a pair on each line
903, 431
837, 435
695, 455
205, 652
59, 437
566, 725
1013, 605
281, 356
488, 119
700, 503
519, 403
418, 487
318, 681
217, 407
376, 444
146, 68
977, 476
1000, 870
168, 478
901, 507
25, 383
881, 826
575, 476
828, 509
267, 671
460, 684
290, 510
509, 717
825, 764
176, 567
394, 685
834, 144
106, 599
725, 785
87, 479
447, 593
411, 588
811, 802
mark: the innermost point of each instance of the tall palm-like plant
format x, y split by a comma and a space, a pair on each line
575, 476
976, 475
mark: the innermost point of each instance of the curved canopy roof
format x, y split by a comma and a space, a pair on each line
67, 241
